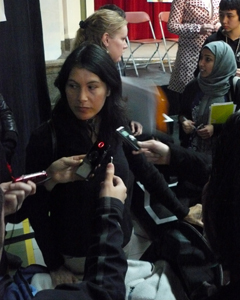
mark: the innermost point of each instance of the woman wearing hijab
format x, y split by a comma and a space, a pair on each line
214, 84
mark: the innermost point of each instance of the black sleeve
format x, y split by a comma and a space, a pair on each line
106, 263
186, 109
187, 98
155, 183
190, 165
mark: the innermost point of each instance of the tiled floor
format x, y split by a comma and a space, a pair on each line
28, 250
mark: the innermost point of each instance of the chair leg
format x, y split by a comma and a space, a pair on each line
131, 56
169, 61
160, 58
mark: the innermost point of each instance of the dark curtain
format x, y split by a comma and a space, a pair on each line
22, 71
153, 9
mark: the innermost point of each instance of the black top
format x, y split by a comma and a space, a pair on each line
69, 227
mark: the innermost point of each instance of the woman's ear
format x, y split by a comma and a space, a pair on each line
108, 92
105, 39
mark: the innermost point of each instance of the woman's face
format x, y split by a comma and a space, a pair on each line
117, 44
86, 93
206, 62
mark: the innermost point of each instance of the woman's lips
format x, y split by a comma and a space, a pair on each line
82, 109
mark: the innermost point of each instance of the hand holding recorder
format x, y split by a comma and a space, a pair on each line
128, 138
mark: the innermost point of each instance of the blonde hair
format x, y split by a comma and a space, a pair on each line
92, 29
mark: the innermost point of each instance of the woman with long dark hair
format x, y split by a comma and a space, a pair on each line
90, 109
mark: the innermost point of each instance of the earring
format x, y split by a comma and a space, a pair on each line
107, 50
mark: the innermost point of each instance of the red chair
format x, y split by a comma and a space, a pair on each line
163, 17
137, 17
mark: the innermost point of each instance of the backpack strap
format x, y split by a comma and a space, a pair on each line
54, 139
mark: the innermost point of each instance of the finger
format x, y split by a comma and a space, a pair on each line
33, 186
132, 127
109, 172
5, 186
73, 160
20, 186
78, 157
145, 144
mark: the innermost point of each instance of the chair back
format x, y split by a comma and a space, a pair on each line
137, 17
164, 16
142, 18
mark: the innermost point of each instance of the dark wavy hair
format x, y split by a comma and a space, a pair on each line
221, 207
230, 5
115, 8
94, 59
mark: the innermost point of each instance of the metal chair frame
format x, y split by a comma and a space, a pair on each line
163, 17
137, 17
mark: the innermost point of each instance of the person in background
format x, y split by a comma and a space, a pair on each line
193, 21
217, 66
115, 8
229, 32
120, 65
105, 28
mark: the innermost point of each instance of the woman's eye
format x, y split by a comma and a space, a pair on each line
91, 87
72, 86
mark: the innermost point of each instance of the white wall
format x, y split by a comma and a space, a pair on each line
60, 19
71, 17
52, 23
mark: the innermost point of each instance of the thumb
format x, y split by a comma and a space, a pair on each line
109, 172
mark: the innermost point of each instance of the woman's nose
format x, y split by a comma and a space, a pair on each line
201, 62
82, 97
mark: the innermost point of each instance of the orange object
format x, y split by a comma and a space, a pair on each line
161, 108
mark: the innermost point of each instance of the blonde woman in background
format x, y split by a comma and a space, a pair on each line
105, 28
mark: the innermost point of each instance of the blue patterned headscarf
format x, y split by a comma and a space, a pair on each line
225, 66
